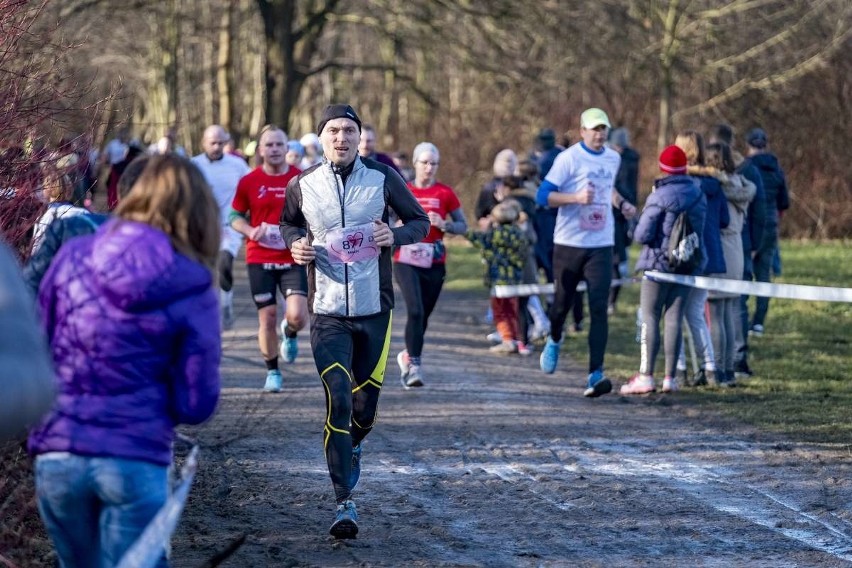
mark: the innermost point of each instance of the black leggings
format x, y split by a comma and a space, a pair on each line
420, 288
225, 266
570, 266
350, 355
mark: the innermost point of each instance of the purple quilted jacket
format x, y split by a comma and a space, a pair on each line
134, 331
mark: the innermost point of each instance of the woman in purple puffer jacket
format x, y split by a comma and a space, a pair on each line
131, 316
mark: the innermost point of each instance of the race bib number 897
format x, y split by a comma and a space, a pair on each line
351, 244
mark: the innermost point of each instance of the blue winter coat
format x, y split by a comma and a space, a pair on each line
774, 186
671, 195
133, 327
717, 218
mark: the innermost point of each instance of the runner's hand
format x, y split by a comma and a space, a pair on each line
585, 196
437, 220
382, 234
302, 252
255, 233
628, 210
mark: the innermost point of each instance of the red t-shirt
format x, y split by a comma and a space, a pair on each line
440, 199
260, 197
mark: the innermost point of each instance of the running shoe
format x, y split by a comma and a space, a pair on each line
494, 337
724, 380
756, 330
345, 523
670, 384
504, 348
524, 349
289, 349
549, 356
742, 370
274, 381
404, 363
639, 384
539, 333
412, 379
356, 467
597, 384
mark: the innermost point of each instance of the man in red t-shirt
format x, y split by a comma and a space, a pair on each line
255, 213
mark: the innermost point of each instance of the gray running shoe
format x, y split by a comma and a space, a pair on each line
414, 377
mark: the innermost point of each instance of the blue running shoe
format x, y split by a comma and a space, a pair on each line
597, 385
274, 381
289, 349
345, 523
549, 356
356, 467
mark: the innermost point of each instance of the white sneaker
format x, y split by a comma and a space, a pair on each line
538, 333
494, 337
670, 384
504, 348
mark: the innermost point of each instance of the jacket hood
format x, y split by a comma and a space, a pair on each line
765, 161
738, 190
136, 268
677, 192
710, 188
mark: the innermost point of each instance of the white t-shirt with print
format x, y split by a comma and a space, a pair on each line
585, 226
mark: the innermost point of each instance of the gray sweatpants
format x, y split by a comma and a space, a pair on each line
656, 299
724, 319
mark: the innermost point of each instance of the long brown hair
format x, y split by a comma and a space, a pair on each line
172, 195
692, 144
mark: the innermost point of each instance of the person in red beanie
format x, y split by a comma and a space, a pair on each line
674, 192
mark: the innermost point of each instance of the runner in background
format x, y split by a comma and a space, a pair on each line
335, 222
581, 184
255, 213
420, 268
223, 171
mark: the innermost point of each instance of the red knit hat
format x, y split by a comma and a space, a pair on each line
673, 160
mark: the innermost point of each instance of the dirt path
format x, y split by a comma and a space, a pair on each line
497, 464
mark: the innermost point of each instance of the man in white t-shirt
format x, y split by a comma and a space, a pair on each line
580, 184
223, 171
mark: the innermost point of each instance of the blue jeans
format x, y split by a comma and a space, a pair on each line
95, 508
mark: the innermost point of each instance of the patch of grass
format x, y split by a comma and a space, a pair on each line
802, 388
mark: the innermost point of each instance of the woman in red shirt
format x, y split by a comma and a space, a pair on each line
419, 268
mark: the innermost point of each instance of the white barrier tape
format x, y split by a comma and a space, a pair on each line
150, 546
514, 290
765, 289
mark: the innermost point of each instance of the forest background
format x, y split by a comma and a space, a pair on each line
472, 76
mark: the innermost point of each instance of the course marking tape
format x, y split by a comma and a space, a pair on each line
513, 290
764, 289
150, 546
733, 287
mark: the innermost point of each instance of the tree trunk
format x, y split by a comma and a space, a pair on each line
223, 68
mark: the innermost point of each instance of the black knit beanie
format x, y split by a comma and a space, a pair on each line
337, 111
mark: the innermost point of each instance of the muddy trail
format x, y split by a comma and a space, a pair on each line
493, 463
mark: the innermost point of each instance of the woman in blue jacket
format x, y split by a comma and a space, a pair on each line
132, 320
673, 193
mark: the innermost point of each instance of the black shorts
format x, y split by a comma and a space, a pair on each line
265, 278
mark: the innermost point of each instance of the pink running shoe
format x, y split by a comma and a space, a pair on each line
639, 384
